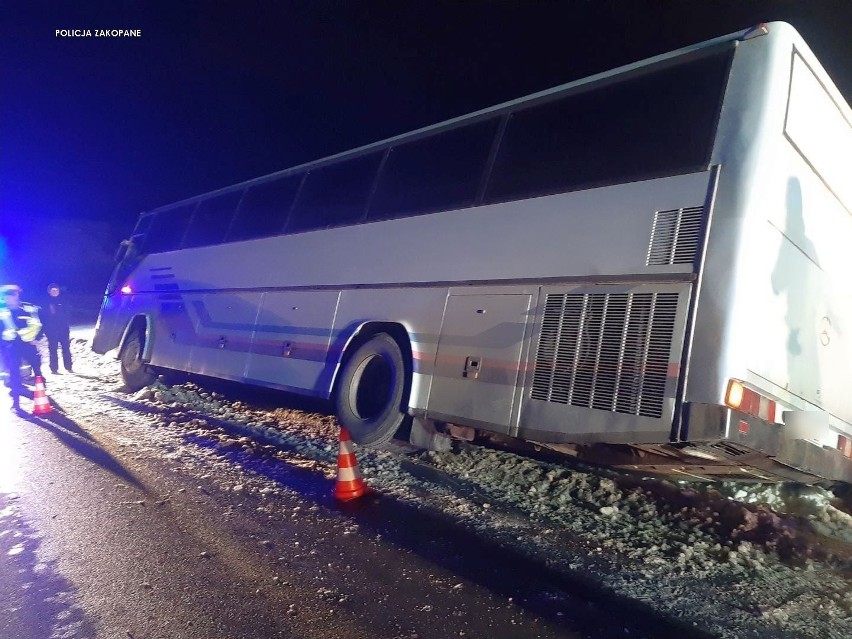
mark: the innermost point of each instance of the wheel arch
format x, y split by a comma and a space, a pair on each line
143, 323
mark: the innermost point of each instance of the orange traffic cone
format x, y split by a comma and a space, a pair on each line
349, 485
42, 404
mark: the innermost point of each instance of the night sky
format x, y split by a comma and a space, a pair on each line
94, 130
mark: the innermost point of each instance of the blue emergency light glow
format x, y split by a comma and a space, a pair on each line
126, 290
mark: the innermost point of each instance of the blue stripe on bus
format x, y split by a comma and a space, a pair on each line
206, 321
186, 333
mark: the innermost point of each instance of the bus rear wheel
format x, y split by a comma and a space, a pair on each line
370, 397
135, 373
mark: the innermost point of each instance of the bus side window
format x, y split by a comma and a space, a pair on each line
655, 124
264, 208
334, 195
168, 228
212, 219
439, 172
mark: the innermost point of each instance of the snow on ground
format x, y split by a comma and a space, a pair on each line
735, 559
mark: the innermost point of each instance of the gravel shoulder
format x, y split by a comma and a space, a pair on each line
728, 560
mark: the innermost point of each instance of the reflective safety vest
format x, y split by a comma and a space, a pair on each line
20, 322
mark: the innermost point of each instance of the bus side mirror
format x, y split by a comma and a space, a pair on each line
121, 253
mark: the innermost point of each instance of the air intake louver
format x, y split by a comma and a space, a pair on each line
674, 237
606, 351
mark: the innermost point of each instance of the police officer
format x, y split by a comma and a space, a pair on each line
57, 329
21, 326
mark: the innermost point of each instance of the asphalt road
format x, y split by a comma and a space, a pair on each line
102, 538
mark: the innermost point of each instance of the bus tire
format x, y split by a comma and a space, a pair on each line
135, 373
370, 397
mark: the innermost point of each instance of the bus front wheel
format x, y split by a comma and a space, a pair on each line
135, 373
371, 395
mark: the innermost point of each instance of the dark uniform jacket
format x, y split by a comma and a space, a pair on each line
54, 319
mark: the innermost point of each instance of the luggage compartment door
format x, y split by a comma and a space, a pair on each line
478, 359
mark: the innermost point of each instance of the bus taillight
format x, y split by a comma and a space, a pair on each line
748, 401
844, 445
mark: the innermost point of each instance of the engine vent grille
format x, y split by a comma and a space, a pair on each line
606, 351
675, 236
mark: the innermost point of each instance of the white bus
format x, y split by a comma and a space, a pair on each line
648, 267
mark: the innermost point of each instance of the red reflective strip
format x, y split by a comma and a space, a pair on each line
346, 460
751, 403
743, 427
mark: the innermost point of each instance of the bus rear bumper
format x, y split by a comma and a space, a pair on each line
800, 449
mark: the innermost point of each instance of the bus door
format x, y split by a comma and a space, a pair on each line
174, 319
224, 333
